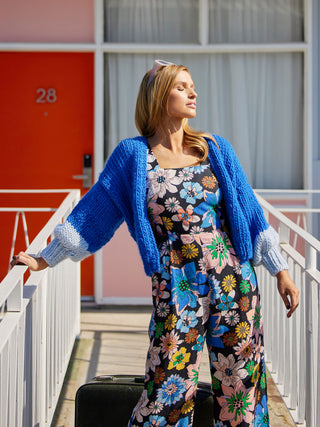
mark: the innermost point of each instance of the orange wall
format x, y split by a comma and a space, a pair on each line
47, 21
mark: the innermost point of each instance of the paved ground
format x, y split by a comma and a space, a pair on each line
114, 341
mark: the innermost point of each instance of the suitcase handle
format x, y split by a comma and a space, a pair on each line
119, 379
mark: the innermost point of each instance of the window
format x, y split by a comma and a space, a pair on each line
151, 21
252, 96
258, 21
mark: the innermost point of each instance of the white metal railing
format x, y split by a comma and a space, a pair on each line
37, 331
303, 204
293, 345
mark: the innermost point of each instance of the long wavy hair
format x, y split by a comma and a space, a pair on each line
152, 104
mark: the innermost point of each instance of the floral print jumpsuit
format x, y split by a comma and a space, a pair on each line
201, 293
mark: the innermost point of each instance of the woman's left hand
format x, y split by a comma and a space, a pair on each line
34, 263
288, 291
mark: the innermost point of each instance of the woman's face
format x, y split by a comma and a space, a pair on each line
182, 98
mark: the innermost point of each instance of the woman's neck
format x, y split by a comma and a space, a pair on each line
170, 151
169, 139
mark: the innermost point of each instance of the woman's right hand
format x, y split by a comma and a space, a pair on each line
34, 263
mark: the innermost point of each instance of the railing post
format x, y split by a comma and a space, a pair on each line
311, 257
302, 381
14, 301
317, 399
284, 233
42, 349
311, 337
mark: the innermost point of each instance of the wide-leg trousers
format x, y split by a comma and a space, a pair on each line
226, 314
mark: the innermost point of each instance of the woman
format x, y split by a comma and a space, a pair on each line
199, 229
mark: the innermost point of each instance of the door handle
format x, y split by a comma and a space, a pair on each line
80, 176
87, 171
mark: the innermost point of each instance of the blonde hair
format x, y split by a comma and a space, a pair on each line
152, 103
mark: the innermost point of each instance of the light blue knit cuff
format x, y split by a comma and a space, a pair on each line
274, 261
267, 252
54, 253
67, 243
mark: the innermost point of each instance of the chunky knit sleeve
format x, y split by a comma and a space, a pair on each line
264, 238
90, 225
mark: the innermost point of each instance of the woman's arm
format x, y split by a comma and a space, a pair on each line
266, 243
90, 225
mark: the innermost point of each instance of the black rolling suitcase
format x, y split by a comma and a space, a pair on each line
108, 401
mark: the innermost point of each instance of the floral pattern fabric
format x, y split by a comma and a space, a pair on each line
201, 294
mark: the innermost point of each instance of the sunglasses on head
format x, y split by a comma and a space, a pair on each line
157, 64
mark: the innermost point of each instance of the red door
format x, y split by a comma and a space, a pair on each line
46, 128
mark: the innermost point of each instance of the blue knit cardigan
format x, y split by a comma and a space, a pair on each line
120, 194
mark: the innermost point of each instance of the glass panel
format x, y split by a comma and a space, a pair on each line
255, 21
254, 100
151, 21
50, 21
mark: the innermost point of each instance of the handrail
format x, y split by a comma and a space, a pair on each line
11, 286
286, 191
290, 225
28, 209
35, 191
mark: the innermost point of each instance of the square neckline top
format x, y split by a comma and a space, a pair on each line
150, 151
